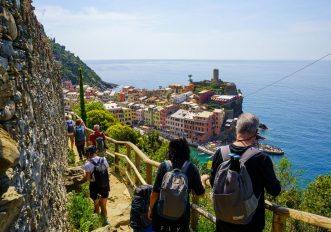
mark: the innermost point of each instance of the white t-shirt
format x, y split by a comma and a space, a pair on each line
89, 166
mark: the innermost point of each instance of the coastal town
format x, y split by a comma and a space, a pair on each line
176, 110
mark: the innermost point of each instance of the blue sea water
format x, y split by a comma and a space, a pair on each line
297, 110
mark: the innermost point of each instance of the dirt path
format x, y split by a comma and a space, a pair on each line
119, 204
119, 201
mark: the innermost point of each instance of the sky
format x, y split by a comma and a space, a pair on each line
189, 29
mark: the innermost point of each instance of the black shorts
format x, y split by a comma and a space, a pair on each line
96, 192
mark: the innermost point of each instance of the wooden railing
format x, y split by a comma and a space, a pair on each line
280, 214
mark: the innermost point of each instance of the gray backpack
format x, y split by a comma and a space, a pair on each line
174, 192
233, 196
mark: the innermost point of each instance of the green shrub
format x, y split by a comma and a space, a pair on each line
81, 213
123, 133
71, 158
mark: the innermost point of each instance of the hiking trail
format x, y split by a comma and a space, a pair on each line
119, 200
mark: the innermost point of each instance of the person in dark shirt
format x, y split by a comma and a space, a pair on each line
259, 167
179, 152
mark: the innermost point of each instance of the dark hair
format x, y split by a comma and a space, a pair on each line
90, 150
179, 150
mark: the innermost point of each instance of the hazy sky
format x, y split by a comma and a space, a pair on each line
189, 29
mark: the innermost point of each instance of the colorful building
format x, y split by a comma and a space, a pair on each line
157, 116
128, 115
196, 127
165, 112
204, 96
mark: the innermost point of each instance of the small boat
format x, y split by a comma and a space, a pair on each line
271, 149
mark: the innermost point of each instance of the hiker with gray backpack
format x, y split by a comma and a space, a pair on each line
176, 178
239, 175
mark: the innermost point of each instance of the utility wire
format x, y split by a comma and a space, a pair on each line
283, 78
289, 75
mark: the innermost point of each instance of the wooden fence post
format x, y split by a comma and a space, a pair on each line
148, 173
194, 214
137, 164
116, 158
128, 154
278, 223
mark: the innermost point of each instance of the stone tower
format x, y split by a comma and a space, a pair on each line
32, 141
216, 76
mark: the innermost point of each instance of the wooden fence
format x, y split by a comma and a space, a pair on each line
280, 214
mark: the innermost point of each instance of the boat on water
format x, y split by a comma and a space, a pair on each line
270, 149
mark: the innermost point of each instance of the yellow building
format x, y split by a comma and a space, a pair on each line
157, 116
162, 103
128, 115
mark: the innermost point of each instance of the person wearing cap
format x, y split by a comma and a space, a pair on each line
259, 167
98, 139
96, 171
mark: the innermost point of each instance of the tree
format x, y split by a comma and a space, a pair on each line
94, 105
190, 78
81, 96
123, 132
317, 198
291, 195
151, 144
101, 117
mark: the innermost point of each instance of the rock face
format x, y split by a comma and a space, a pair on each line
32, 145
73, 178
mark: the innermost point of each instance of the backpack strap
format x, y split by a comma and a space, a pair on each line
93, 162
225, 151
101, 160
249, 153
168, 165
185, 166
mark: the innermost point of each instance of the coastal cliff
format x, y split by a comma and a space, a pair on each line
70, 65
32, 145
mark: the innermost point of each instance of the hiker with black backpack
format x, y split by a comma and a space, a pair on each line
239, 175
98, 139
79, 133
96, 173
70, 130
176, 177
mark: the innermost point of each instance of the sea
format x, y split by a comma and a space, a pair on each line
297, 109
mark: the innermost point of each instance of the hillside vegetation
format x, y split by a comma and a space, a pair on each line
70, 65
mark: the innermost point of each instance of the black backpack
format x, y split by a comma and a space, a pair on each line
100, 173
139, 207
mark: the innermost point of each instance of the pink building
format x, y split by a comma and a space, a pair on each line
196, 127
167, 110
204, 96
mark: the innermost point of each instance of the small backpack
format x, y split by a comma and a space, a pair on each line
70, 126
100, 173
80, 136
174, 192
233, 196
139, 207
100, 145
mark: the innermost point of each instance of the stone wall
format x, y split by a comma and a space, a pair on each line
32, 141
